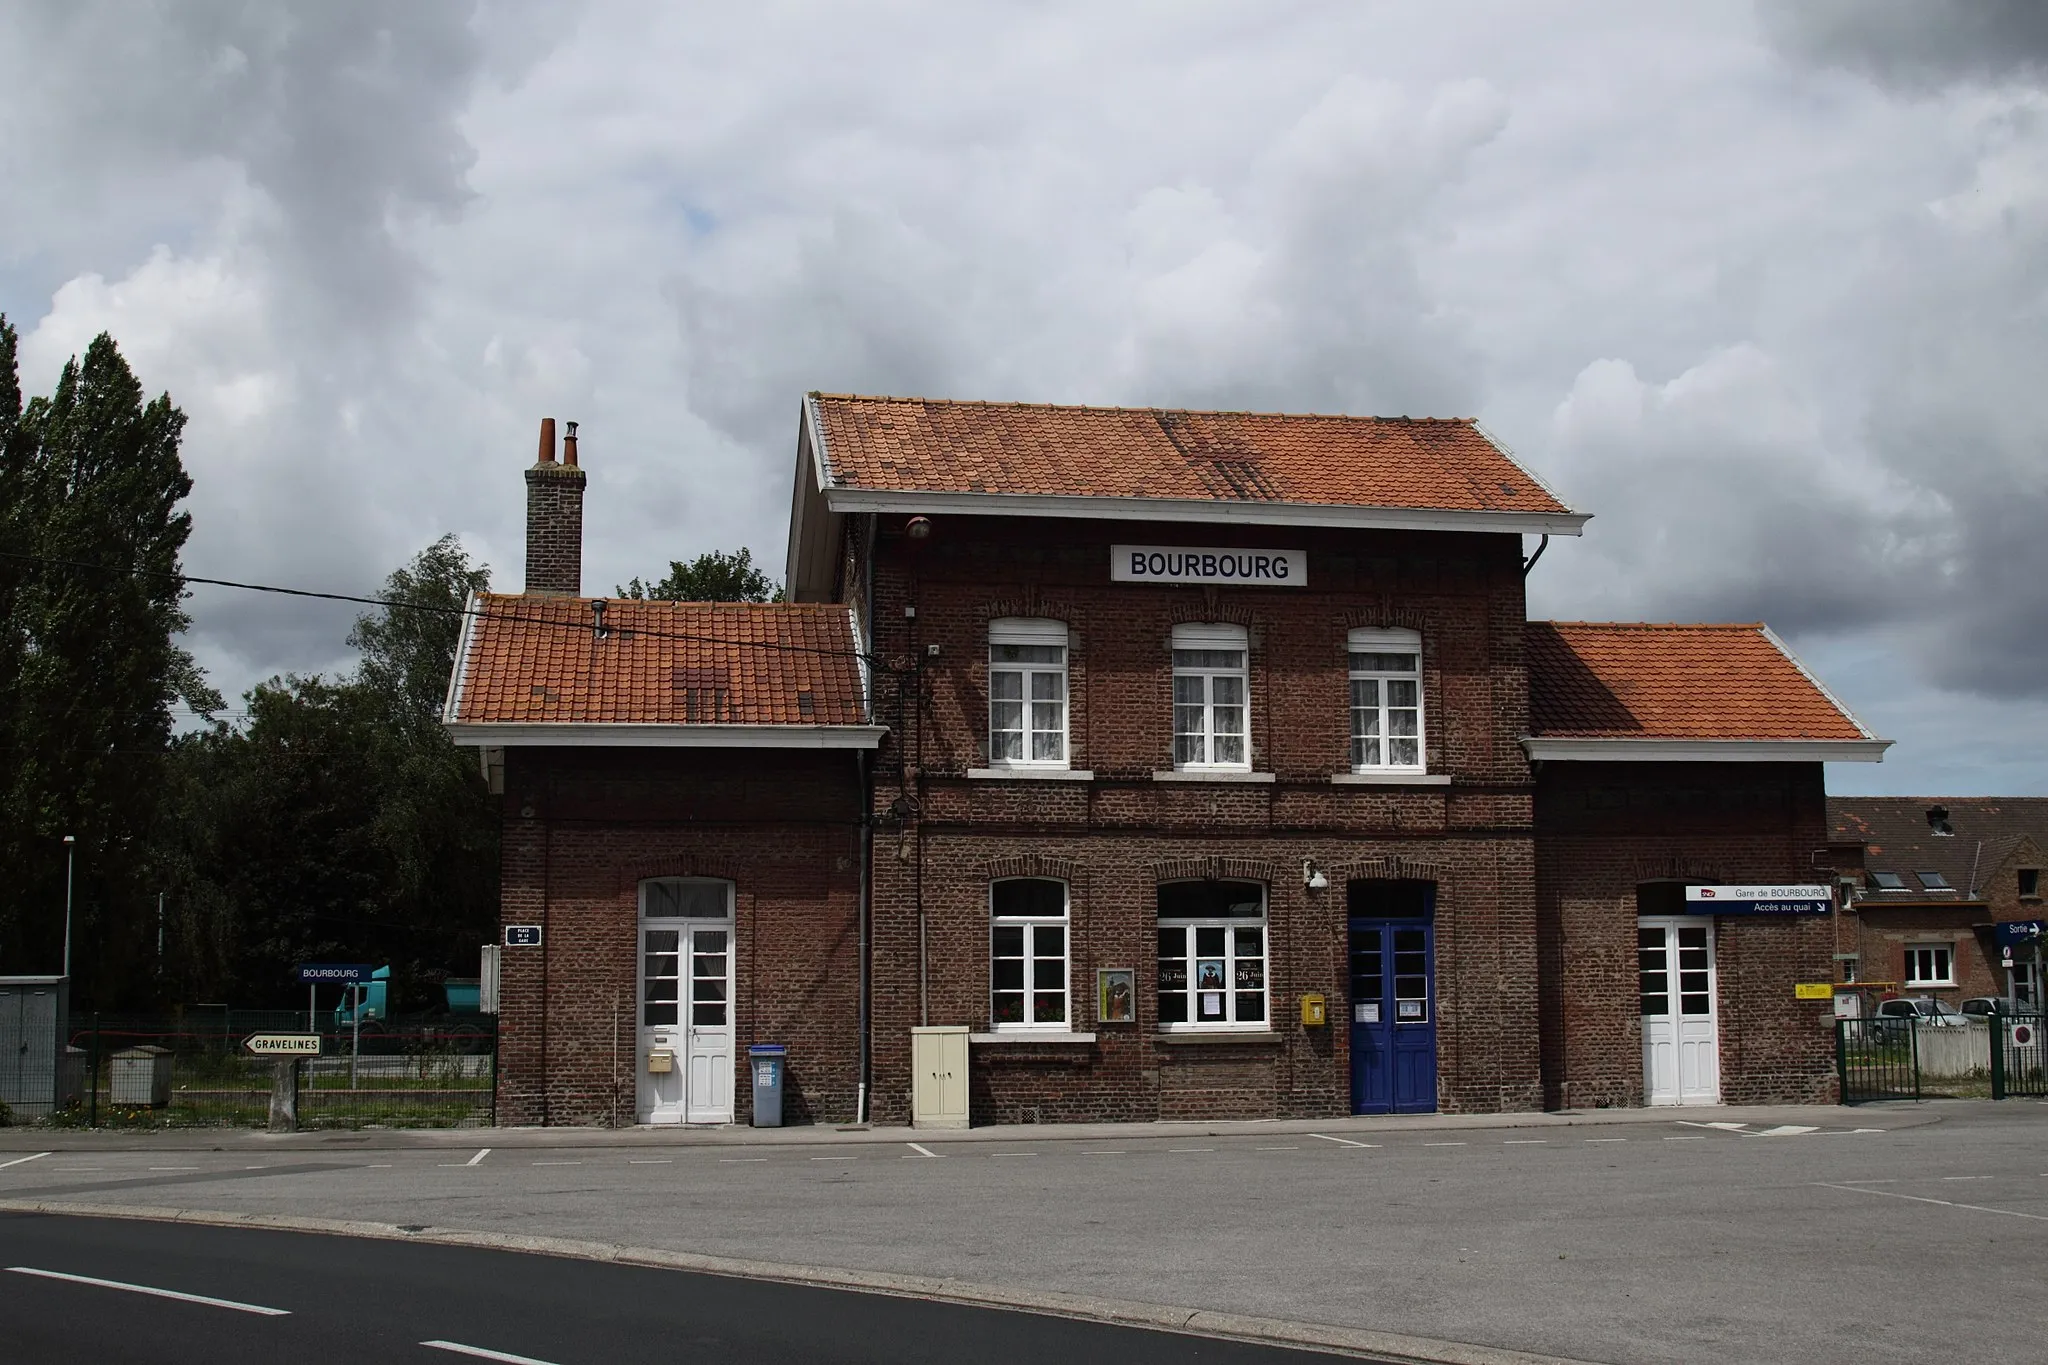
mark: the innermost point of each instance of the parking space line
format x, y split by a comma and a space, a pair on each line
1969, 1177
1346, 1141
1607, 1139
482, 1353
920, 1149
154, 1292
477, 1160
1668, 1138
835, 1158
174, 1168
35, 1156
1103, 1151
1190, 1149
650, 1161
1523, 1142
1443, 1144
1013, 1154
1276, 1149
729, 1160
1945, 1203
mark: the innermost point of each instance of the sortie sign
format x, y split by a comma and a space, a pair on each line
1190, 564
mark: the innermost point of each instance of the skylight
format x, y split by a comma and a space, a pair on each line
1888, 881
1933, 881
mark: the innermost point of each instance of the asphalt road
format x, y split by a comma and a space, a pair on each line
295, 1296
1854, 1240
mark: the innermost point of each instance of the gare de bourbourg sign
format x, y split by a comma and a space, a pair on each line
1758, 900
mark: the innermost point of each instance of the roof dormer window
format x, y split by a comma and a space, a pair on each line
1888, 881
1933, 881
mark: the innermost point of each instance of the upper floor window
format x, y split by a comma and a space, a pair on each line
1212, 955
1386, 700
1930, 964
1027, 693
2030, 883
1211, 687
1028, 953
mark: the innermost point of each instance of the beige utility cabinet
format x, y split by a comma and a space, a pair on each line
938, 1065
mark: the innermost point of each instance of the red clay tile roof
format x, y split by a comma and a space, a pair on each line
537, 660
940, 446
1627, 680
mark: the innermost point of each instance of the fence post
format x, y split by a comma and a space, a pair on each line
1841, 1061
92, 1080
1997, 1038
1913, 1032
495, 1040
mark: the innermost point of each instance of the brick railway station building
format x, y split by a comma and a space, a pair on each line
1141, 764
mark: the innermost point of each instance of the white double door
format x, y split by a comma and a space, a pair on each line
1681, 1033
686, 1071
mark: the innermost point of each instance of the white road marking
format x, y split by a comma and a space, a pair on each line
650, 1161
1694, 1138
920, 1149
1945, 1203
835, 1158
174, 1168
1523, 1142
1784, 1130
1109, 1151
1346, 1141
1607, 1139
157, 1293
1190, 1149
20, 1160
1013, 1154
378, 1166
729, 1160
1867, 1182
478, 1158
1443, 1144
481, 1354
1969, 1177
1723, 1124
1276, 1149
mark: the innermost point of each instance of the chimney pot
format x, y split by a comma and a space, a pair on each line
569, 446
547, 441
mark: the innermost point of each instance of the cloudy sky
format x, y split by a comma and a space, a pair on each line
1760, 283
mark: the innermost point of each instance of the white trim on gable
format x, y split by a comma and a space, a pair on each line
841, 499
1631, 750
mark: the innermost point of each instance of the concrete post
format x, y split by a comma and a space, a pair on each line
284, 1096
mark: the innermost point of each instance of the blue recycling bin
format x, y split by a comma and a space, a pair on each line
769, 1063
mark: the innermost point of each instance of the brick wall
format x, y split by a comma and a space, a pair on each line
1604, 828
584, 827
1113, 839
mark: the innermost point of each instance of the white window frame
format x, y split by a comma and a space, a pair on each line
1030, 632
1031, 927
1192, 989
1217, 637
1378, 640
1915, 977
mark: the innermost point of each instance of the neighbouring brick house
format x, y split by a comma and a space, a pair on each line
1940, 884
1172, 764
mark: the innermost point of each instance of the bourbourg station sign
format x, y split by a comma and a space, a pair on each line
1193, 564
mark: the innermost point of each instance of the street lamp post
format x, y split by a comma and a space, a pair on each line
70, 857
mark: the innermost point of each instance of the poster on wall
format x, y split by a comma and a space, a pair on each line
1116, 995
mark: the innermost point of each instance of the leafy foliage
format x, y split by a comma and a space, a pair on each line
711, 577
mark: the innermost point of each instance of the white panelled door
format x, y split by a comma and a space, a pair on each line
686, 989
1681, 1035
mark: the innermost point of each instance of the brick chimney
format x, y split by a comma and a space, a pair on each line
554, 518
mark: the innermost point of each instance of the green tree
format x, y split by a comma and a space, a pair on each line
90, 665
711, 577
339, 821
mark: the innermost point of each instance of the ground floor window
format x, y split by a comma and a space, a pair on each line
1930, 964
1028, 953
1212, 955
2026, 993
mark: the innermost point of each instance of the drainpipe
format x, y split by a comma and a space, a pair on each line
867, 840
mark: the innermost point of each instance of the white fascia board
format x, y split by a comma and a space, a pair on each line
451, 705
623, 735
1541, 749
1193, 510
811, 478
1531, 475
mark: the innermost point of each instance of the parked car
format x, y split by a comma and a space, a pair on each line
1979, 1006
1894, 1016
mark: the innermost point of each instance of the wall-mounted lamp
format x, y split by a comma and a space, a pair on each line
918, 528
1312, 876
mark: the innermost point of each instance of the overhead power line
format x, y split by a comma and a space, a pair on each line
591, 627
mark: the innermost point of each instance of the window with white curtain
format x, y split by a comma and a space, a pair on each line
1211, 697
1028, 954
1027, 693
1386, 701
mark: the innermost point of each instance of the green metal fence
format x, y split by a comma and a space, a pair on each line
1877, 1059
191, 1071
2017, 1044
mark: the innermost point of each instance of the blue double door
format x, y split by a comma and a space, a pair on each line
1393, 998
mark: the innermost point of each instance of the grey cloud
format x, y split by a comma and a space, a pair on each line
1915, 43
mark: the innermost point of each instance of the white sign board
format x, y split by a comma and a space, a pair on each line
1191, 564
283, 1044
